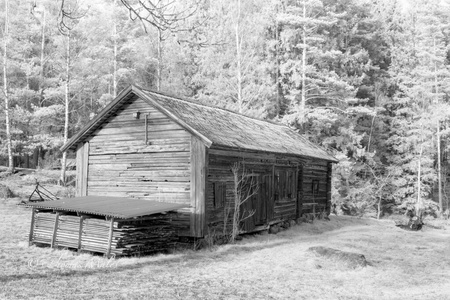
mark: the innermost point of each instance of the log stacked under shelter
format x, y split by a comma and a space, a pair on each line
119, 237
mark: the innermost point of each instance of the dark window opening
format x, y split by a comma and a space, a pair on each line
315, 187
220, 194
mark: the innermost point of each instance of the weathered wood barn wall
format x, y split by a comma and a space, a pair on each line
147, 145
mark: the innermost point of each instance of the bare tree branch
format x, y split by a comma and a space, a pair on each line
69, 14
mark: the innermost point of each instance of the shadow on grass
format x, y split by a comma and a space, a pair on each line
190, 258
184, 259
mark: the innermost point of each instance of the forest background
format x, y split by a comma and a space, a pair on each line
369, 80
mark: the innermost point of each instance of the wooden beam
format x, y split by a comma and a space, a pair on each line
146, 128
55, 229
80, 232
329, 175
198, 185
79, 170
30, 237
111, 227
84, 173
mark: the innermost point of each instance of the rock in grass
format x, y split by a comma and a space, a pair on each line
353, 260
274, 229
5, 192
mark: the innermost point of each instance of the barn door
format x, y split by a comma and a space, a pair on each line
261, 202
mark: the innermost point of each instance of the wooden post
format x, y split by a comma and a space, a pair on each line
30, 238
80, 232
55, 229
198, 184
108, 251
146, 129
329, 174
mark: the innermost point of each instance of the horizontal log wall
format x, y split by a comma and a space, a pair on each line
122, 164
267, 164
312, 202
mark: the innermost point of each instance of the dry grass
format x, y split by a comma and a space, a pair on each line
403, 265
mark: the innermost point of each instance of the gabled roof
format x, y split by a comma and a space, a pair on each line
213, 125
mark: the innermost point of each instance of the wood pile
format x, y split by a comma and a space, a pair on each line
120, 237
43, 228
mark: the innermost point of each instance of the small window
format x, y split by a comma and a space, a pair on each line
315, 187
220, 194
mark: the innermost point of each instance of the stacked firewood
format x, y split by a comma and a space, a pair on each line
43, 228
144, 235
68, 231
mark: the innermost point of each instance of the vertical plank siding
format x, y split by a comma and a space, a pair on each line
82, 169
198, 182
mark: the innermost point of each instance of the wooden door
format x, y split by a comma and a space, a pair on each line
261, 203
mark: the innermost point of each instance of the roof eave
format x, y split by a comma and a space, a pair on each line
329, 157
174, 118
73, 141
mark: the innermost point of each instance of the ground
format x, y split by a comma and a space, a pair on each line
402, 265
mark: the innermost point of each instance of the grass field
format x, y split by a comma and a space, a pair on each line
403, 265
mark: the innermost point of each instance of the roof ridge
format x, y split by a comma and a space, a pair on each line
192, 101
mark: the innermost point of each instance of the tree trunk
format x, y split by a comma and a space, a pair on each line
66, 119
115, 57
303, 95
5, 91
419, 204
237, 205
42, 76
239, 58
438, 136
379, 209
277, 69
159, 67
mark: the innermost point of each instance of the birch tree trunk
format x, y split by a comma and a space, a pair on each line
277, 70
303, 92
419, 204
239, 59
115, 61
42, 61
159, 67
66, 119
438, 134
115, 54
5, 90
438, 137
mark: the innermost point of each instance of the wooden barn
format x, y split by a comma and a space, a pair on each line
151, 146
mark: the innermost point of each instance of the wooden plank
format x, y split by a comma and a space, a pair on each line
79, 170
111, 228
80, 232
198, 184
85, 170
329, 174
30, 237
300, 193
146, 129
55, 230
